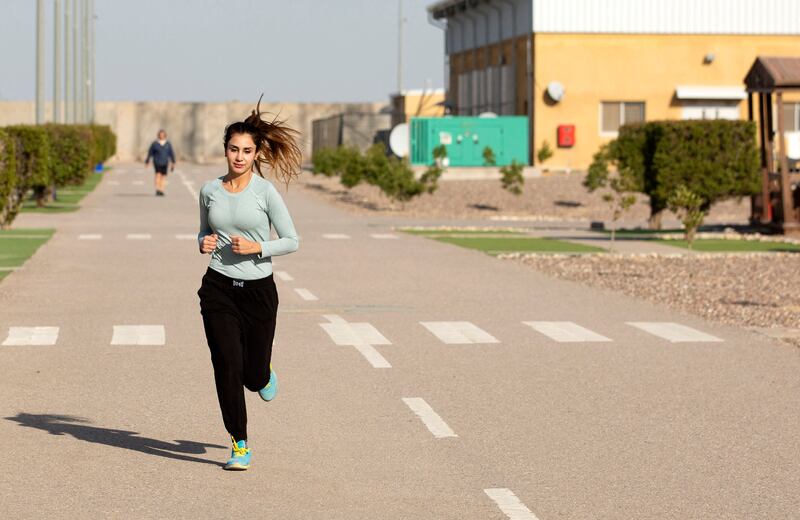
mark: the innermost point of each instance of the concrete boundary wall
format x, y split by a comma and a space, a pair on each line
196, 130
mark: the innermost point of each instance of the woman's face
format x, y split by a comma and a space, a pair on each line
241, 153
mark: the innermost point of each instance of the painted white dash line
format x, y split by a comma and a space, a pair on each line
138, 335
458, 332
430, 419
186, 236
372, 355
509, 504
90, 236
138, 236
336, 236
384, 236
40, 336
566, 331
188, 183
283, 275
306, 295
674, 332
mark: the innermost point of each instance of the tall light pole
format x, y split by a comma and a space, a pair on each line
92, 54
400, 48
57, 62
39, 62
85, 58
76, 77
69, 102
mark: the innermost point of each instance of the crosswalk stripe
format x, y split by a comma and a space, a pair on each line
186, 236
509, 504
283, 275
336, 236
354, 334
306, 295
384, 236
429, 417
458, 332
566, 331
40, 336
138, 335
138, 236
90, 236
674, 332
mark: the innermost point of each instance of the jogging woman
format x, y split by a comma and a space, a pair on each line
238, 298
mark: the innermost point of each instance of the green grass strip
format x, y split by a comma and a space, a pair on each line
68, 197
710, 245
447, 232
17, 245
494, 246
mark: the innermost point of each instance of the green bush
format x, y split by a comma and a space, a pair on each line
715, 160
70, 148
103, 144
688, 206
9, 206
33, 159
511, 177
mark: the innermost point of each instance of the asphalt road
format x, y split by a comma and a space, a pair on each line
456, 390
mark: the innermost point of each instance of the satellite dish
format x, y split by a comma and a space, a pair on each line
555, 90
487, 114
398, 140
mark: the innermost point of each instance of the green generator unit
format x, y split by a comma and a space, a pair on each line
467, 137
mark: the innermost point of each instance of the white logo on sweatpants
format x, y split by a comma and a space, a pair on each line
238, 284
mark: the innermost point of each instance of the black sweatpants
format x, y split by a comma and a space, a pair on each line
239, 320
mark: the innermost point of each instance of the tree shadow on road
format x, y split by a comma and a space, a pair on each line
80, 429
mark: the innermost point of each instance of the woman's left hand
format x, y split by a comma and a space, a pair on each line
242, 246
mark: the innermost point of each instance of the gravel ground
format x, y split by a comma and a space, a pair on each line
561, 198
749, 290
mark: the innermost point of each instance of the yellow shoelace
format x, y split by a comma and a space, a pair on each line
240, 452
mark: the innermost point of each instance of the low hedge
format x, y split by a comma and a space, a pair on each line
40, 158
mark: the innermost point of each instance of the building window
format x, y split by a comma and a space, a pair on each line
614, 114
791, 117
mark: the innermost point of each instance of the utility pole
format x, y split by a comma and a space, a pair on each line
400, 48
93, 56
69, 102
39, 62
57, 62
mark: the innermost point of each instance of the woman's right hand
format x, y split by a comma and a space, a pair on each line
209, 243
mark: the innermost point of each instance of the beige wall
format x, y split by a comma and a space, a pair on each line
614, 67
196, 130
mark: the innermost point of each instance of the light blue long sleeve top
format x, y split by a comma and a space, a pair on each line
249, 214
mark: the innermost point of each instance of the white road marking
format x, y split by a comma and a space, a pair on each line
138, 335
458, 332
306, 295
674, 332
510, 504
138, 183
429, 418
31, 336
384, 236
189, 184
186, 236
566, 331
90, 236
336, 236
138, 236
283, 275
362, 336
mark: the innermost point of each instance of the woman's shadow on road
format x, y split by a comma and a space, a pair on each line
80, 429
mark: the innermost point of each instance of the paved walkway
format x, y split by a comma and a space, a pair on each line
418, 380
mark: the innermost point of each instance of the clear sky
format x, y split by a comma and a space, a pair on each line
220, 50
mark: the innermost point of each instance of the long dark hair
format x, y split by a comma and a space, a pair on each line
276, 143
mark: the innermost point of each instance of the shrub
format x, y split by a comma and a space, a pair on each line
545, 152
688, 206
9, 202
33, 161
511, 177
70, 147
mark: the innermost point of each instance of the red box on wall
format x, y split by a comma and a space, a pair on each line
566, 136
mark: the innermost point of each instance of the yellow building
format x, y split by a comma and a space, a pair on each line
596, 64
417, 103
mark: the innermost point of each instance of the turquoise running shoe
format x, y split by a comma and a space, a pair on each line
268, 392
240, 456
